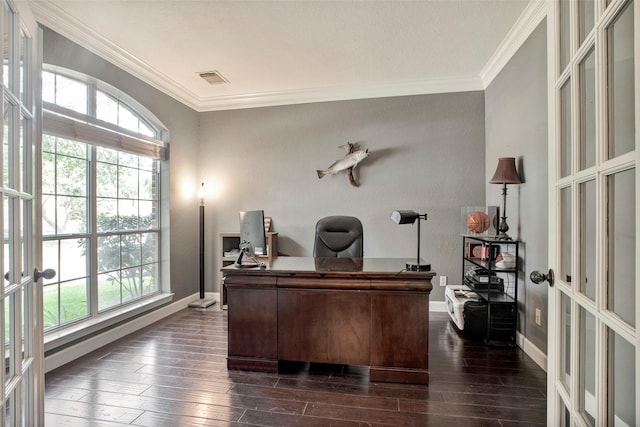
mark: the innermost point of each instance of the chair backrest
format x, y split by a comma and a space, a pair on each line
338, 236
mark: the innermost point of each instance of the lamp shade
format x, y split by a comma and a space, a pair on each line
404, 217
506, 172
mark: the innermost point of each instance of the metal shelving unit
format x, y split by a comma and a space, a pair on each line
495, 281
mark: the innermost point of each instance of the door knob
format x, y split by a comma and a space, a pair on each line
49, 273
537, 277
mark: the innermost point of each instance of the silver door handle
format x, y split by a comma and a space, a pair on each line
537, 277
49, 273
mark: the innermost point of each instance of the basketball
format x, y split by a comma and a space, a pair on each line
478, 222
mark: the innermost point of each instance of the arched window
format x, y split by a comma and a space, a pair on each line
101, 159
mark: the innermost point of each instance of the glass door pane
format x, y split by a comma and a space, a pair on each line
585, 17
23, 138
565, 416
565, 129
622, 392
8, 339
587, 78
565, 235
6, 135
621, 257
587, 367
24, 51
565, 45
6, 40
5, 237
588, 239
620, 69
565, 341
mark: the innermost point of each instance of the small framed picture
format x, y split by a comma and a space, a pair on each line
475, 250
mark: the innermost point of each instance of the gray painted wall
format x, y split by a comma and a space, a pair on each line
516, 126
427, 154
182, 123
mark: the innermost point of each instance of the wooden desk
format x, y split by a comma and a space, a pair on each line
331, 310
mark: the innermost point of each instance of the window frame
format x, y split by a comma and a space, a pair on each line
65, 123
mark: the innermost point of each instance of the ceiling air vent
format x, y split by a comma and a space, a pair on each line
213, 77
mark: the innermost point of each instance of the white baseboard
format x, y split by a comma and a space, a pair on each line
532, 351
438, 306
73, 352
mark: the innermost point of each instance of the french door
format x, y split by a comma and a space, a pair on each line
594, 357
21, 401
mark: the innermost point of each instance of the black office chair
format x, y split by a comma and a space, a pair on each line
338, 236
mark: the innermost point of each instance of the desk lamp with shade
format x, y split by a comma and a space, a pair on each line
506, 173
202, 302
409, 217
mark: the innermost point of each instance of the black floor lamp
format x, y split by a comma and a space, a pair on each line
202, 302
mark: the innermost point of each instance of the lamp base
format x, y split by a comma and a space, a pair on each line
418, 267
202, 303
503, 228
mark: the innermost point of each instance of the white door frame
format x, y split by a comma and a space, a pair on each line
605, 320
23, 391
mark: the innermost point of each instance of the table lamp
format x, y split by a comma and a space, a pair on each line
506, 173
409, 217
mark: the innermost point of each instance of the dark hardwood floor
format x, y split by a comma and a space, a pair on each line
174, 373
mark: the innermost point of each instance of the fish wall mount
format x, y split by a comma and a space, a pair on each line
348, 163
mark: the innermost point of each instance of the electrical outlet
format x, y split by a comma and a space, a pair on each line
538, 316
443, 280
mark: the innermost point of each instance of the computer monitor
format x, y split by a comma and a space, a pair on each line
253, 239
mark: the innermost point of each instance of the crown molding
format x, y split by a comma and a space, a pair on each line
50, 15
303, 96
533, 14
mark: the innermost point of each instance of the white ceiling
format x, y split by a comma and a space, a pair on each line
279, 52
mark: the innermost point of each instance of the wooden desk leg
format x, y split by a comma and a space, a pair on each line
252, 329
400, 343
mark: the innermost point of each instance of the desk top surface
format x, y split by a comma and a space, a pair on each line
331, 266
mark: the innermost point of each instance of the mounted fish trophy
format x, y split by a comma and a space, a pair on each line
350, 161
